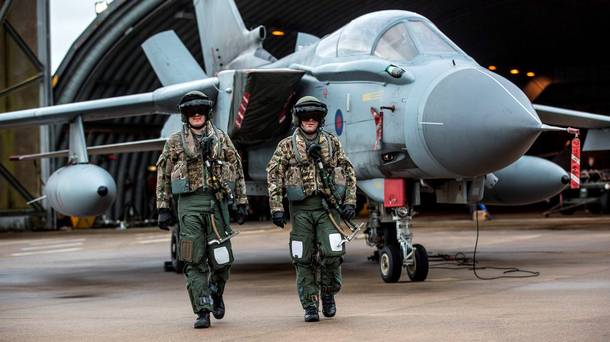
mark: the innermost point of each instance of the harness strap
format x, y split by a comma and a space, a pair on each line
295, 151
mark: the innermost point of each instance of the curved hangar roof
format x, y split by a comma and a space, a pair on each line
559, 39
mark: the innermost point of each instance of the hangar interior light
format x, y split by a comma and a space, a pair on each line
492, 67
514, 71
278, 33
530, 74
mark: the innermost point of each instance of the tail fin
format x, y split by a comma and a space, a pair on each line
225, 41
171, 60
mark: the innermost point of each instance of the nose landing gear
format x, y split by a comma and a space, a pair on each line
396, 250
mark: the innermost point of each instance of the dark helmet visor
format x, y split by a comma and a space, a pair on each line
198, 106
310, 110
318, 116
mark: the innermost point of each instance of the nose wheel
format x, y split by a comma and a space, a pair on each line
390, 263
417, 270
399, 252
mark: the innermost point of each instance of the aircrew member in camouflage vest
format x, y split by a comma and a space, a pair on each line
314, 241
200, 169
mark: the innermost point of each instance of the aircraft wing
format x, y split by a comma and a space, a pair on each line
573, 118
598, 136
161, 101
133, 146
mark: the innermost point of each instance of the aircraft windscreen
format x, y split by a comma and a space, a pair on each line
396, 44
358, 37
406, 38
428, 41
328, 45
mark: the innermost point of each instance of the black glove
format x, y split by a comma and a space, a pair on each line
242, 213
165, 218
278, 219
348, 211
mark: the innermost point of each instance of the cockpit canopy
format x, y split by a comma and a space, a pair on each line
393, 35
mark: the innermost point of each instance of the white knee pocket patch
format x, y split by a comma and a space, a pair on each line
221, 255
335, 240
297, 249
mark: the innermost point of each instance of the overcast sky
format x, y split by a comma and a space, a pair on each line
69, 18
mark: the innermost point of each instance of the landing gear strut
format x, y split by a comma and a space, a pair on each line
396, 249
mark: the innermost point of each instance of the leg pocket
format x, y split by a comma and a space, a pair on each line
192, 243
221, 255
186, 250
296, 249
334, 240
301, 237
192, 250
329, 238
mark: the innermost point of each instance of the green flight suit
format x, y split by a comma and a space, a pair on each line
314, 241
314, 245
181, 175
207, 265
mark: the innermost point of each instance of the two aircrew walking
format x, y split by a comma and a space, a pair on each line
199, 164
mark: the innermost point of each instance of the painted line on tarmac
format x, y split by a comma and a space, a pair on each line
66, 250
55, 241
156, 236
52, 246
143, 242
18, 242
36, 242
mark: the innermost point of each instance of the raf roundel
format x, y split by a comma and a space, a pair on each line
339, 122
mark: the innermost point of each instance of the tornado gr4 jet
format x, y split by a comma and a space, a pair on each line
413, 111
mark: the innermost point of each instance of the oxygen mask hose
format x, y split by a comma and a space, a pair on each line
315, 152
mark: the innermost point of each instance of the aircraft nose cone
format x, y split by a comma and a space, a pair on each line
475, 122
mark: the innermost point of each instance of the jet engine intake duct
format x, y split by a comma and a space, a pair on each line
473, 124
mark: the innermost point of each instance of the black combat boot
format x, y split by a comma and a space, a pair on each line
329, 309
311, 314
203, 320
219, 307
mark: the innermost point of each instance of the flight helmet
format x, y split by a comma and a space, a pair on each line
195, 102
306, 108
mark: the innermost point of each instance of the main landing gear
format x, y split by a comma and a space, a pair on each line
395, 249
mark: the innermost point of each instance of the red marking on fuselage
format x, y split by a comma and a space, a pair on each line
242, 109
378, 117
